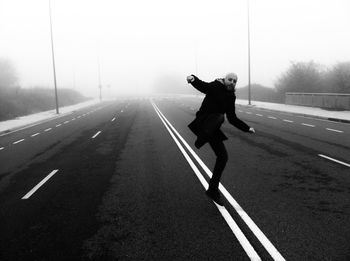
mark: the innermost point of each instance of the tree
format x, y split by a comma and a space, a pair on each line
8, 76
301, 77
339, 78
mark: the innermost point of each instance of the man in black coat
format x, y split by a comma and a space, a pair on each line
219, 99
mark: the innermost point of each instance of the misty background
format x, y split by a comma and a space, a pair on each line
151, 46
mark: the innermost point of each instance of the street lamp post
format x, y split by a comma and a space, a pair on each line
53, 59
249, 90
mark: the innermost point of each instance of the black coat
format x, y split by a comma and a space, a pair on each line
217, 102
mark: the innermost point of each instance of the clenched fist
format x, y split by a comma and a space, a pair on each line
190, 79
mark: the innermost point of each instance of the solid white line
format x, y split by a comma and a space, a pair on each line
334, 130
270, 117
309, 125
229, 220
96, 134
58, 125
35, 134
40, 184
260, 115
288, 121
18, 141
337, 161
253, 227
48, 129
113, 119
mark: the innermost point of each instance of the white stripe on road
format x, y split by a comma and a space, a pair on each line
232, 224
334, 130
270, 117
288, 121
48, 129
58, 125
113, 119
337, 161
260, 115
253, 227
18, 141
73, 119
40, 184
248, 112
36, 134
78, 116
308, 125
240, 111
65, 122
2, 148
96, 134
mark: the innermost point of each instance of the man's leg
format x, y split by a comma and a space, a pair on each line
221, 159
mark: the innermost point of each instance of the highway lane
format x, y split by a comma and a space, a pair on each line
117, 188
300, 199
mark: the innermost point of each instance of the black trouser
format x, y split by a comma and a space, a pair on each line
221, 158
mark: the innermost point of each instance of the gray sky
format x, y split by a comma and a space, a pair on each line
137, 41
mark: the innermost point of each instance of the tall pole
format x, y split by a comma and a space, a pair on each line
53, 59
249, 91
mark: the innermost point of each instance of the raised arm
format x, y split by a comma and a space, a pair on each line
198, 84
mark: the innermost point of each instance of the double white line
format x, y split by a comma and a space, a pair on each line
229, 220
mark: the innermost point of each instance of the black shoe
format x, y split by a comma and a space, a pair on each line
215, 196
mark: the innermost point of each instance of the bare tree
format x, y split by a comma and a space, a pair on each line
339, 78
8, 75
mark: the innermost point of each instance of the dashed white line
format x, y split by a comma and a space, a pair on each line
65, 122
260, 115
270, 117
18, 141
248, 112
40, 184
1, 148
288, 121
73, 119
308, 125
335, 160
113, 119
240, 110
36, 134
58, 125
78, 116
96, 134
48, 129
334, 130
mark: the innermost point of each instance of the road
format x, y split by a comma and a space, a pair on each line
122, 181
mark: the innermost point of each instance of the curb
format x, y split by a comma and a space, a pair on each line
299, 114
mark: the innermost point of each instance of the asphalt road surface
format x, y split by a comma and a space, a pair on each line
122, 180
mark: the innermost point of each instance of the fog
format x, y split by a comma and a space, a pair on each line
138, 42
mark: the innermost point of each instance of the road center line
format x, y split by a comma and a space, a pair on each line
96, 134
334, 130
308, 125
40, 184
48, 129
250, 223
337, 161
229, 220
35, 134
18, 141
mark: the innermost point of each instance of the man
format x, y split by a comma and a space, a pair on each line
219, 99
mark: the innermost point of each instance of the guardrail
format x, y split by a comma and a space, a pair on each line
336, 101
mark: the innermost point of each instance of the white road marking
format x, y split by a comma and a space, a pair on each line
113, 119
18, 141
58, 125
334, 130
96, 134
308, 125
65, 122
240, 110
78, 116
73, 119
229, 220
36, 134
270, 117
288, 121
253, 227
48, 129
337, 161
260, 115
30, 193
248, 112
1, 148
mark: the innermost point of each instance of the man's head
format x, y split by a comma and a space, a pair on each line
230, 81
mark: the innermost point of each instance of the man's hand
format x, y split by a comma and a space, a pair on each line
190, 79
251, 130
